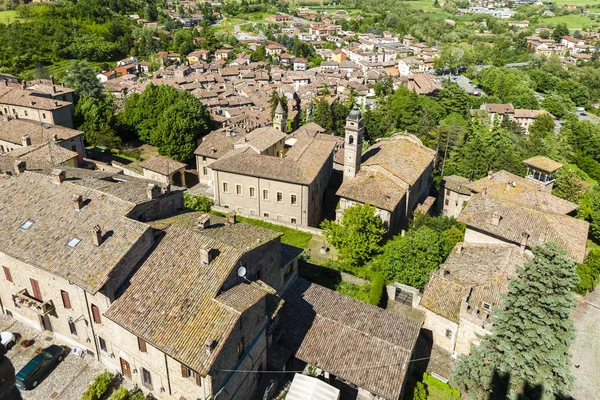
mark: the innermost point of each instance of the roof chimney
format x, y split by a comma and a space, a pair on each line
210, 345
203, 221
490, 174
205, 255
524, 239
496, 218
23, 85
458, 249
97, 235
20, 166
484, 192
78, 201
52, 80
58, 176
165, 189
152, 191
25, 140
231, 218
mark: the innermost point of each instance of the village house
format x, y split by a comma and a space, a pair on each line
421, 84
524, 118
17, 133
571, 42
454, 192
35, 106
198, 56
411, 65
393, 175
164, 170
460, 298
274, 49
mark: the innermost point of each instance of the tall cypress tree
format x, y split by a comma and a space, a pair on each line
529, 343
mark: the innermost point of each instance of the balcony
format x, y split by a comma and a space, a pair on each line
22, 299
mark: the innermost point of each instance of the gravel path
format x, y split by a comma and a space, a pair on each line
586, 349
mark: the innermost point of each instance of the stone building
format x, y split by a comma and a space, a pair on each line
393, 175
164, 170
460, 298
16, 133
454, 192
269, 173
35, 106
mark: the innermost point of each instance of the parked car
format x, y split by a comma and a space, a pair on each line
35, 370
8, 340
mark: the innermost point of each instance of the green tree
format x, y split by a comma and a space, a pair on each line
358, 236
560, 31
82, 77
198, 203
95, 117
555, 104
260, 54
589, 272
532, 332
568, 185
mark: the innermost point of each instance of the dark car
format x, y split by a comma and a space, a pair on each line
35, 370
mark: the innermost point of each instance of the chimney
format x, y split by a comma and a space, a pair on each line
496, 218
231, 218
484, 192
58, 176
25, 140
78, 201
203, 221
524, 239
490, 174
52, 80
54, 137
32, 103
23, 85
151, 191
210, 346
20, 166
53, 89
5, 82
205, 255
458, 249
97, 235
165, 189
55, 103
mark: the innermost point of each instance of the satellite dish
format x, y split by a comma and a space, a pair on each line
242, 272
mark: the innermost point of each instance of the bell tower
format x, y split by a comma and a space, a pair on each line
353, 143
279, 120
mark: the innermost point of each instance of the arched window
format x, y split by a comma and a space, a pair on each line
350, 139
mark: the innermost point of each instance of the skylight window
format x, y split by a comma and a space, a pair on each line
26, 225
73, 242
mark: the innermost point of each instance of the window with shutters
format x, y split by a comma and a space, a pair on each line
35, 287
146, 378
238, 190
293, 200
7, 274
185, 371
96, 315
142, 345
279, 197
65, 298
198, 378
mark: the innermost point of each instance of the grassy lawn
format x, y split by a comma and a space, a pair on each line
58, 70
290, 236
581, 174
8, 17
258, 16
573, 21
228, 25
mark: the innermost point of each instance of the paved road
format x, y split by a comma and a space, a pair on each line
586, 349
68, 380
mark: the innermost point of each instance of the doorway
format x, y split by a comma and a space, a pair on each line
125, 368
45, 323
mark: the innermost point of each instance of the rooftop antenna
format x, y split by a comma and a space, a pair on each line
242, 273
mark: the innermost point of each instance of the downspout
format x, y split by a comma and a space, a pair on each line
168, 377
87, 306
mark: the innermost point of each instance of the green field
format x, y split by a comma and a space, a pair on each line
583, 3
8, 17
58, 70
573, 21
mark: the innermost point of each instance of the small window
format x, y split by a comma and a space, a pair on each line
351, 138
203, 158
252, 192
65, 299
7, 274
72, 327
279, 197
266, 195
26, 225
102, 344
238, 190
185, 371
142, 345
43, 115
73, 242
447, 192
96, 314
225, 187
448, 333
293, 220
266, 215
293, 200
204, 171
446, 202
487, 306
146, 378
198, 378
